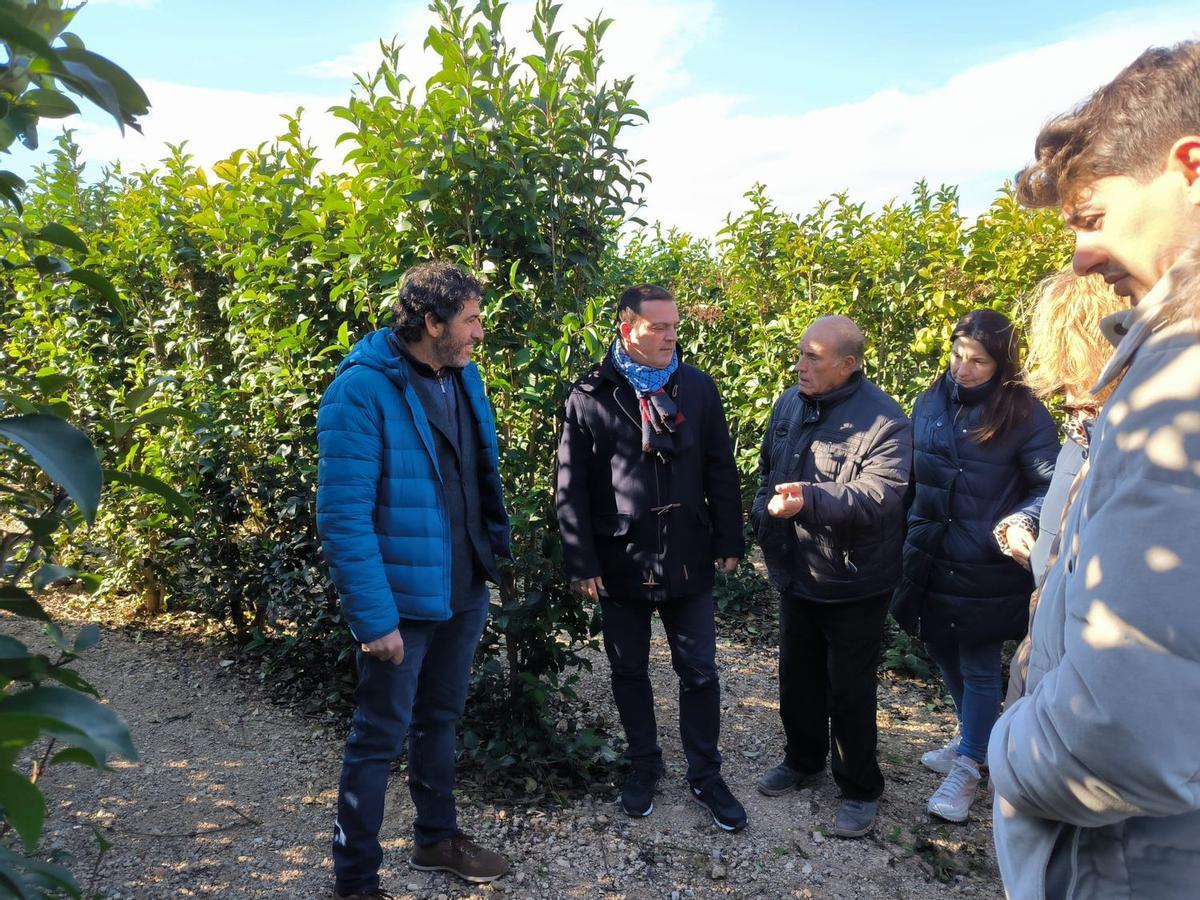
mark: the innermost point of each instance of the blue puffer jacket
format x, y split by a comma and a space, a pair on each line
380, 510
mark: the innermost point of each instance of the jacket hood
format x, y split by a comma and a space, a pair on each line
1174, 297
377, 350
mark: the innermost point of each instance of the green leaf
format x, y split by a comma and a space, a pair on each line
24, 807
50, 574
64, 453
51, 265
15, 34
10, 189
11, 648
88, 637
31, 875
49, 104
54, 233
50, 381
174, 499
20, 603
101, 286
164, 415
104, 83
72, 679
72, 755
134, 399
72, 717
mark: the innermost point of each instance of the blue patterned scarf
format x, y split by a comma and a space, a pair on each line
644, 379
660, 415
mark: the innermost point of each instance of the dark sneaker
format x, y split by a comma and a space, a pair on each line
724, 807
463, 857
855, 818
637, 793
782, 779
372, 894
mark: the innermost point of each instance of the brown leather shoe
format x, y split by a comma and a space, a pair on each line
463, 857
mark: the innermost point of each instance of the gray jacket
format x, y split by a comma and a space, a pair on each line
1097, 766
1070, 460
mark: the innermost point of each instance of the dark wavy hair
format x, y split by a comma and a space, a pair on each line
1011, 401
438, 288
1126, 127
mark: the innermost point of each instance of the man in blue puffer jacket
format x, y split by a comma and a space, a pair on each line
412, 521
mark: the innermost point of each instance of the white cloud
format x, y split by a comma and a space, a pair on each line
646, 40
212, 122
975, 130
704, 150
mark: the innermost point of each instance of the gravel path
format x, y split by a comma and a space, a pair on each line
233, 797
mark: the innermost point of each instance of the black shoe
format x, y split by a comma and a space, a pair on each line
724, 807
783, 778
637, 793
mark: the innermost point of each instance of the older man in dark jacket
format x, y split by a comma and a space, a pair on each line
648, 499
829, 515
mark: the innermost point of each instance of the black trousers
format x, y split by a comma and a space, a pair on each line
828, 659
691, 634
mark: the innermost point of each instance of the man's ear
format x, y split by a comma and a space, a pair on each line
1185, 158
433, 327
625, 328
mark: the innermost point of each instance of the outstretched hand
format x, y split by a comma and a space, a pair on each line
787, 501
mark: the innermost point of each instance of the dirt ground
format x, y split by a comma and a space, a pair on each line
234, 797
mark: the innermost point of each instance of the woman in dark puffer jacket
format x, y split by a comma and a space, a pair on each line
984, 456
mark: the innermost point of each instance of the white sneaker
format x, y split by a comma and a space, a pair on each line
942, 759
953, 799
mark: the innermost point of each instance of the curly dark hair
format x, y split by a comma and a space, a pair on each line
436, 288
1126, 128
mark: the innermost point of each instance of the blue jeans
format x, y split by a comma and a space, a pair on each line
972, 675
691, 634
428, 691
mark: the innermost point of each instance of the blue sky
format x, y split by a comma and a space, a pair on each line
808, 97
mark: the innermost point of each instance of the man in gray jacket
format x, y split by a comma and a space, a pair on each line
1097, 767
829, 515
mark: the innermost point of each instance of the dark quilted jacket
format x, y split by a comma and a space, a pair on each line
955, 579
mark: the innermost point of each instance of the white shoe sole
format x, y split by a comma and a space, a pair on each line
716, 821
634, 815
949, 817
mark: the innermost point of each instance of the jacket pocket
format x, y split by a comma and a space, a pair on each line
615, 525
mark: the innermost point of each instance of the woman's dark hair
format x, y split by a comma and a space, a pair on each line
1011, 401
436, 287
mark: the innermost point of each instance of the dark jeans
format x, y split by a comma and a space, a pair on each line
691, 634
428, 691
972, 675
828, 659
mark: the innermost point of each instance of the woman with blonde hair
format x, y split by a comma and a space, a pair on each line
1067, 351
